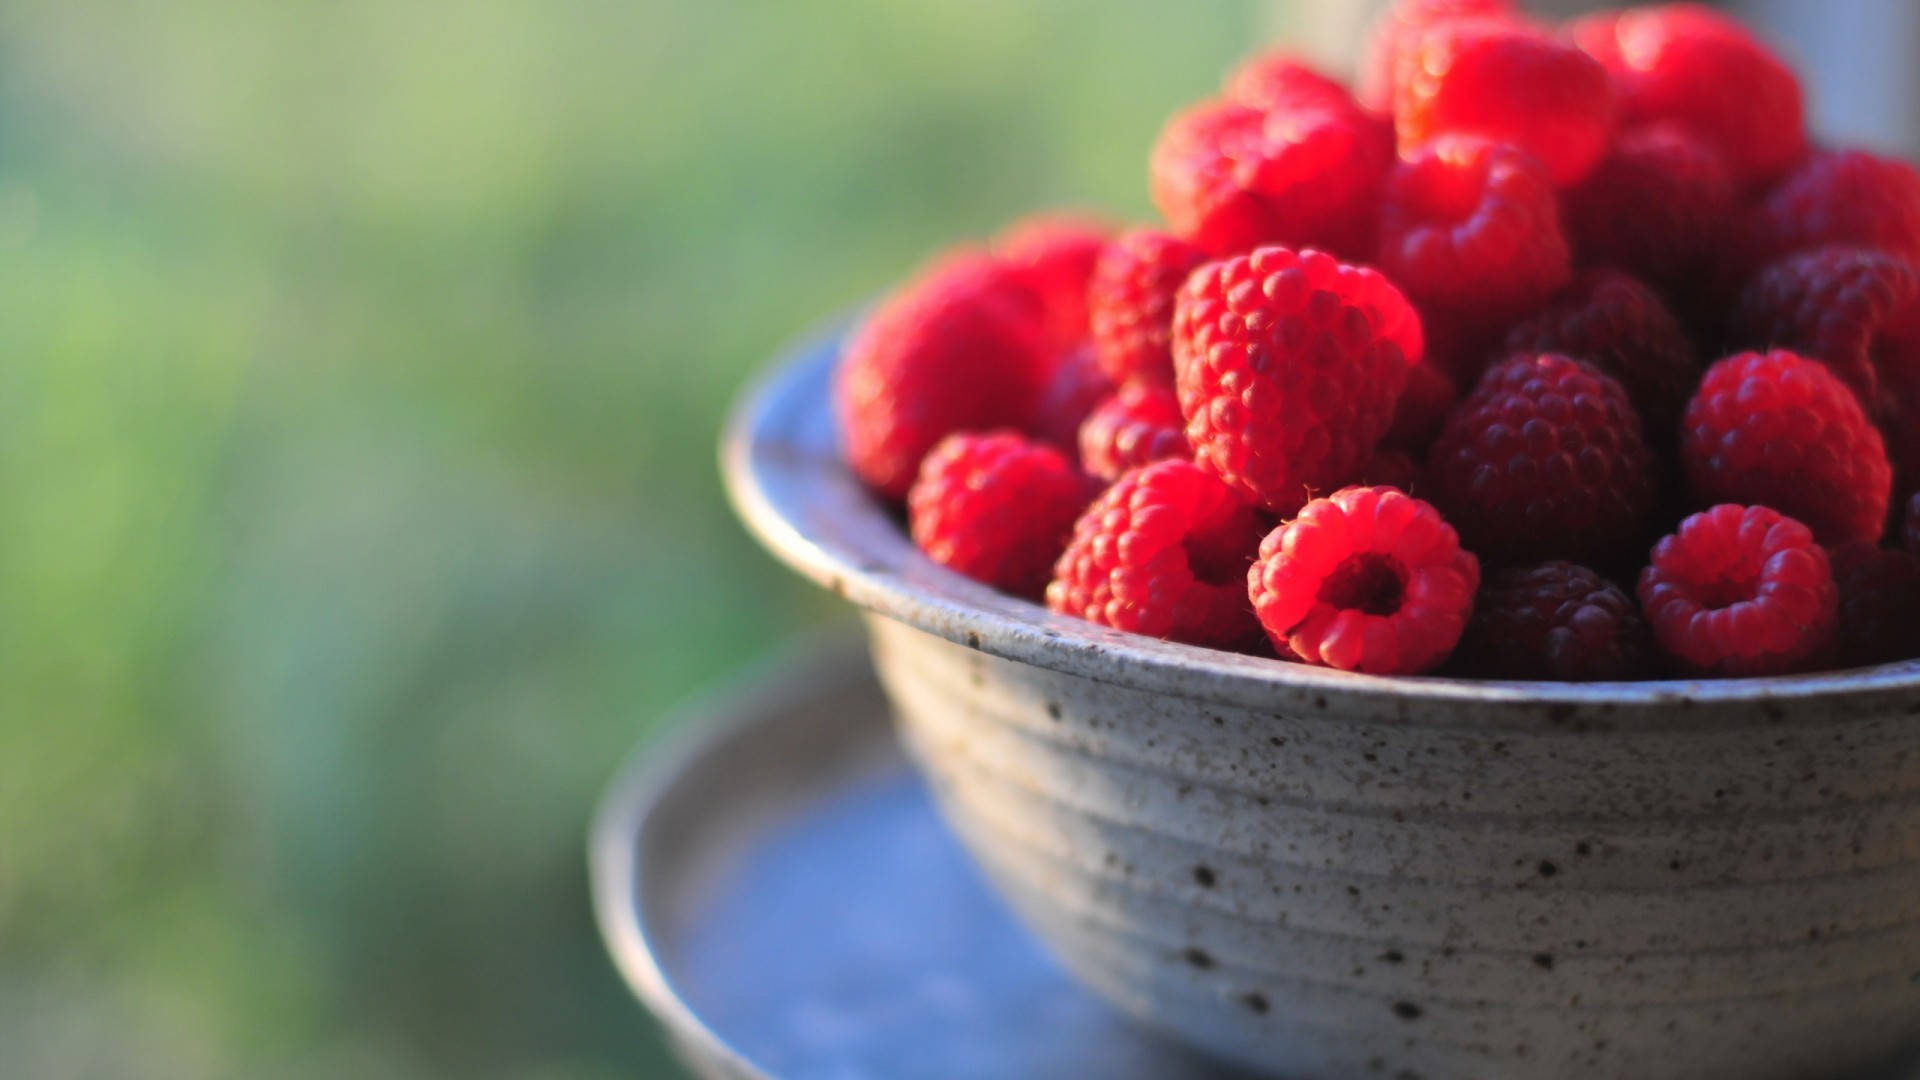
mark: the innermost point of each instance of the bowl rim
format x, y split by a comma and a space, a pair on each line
784, 475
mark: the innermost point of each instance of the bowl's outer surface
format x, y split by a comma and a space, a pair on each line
1330, 875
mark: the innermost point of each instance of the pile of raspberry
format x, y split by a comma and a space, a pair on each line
1548, 352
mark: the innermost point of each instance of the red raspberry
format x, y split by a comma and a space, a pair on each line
1780, 430
1284, 370
1130, 301
1367, 579
1471, 230
1879, 593
1740, 590
957, 348
1506, 82
1423, 408
997, 508
1657, 206
1229, 176
1139, 425
1074, 388
1278, 79
1702, 70
1849, 197
1164, 552
1555, 620
1855, 310
1619, 326
1398, 30
1545, 459
1053, 255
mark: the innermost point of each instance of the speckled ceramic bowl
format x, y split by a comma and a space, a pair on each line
1328, 875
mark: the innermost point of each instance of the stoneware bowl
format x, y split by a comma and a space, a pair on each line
1319, 874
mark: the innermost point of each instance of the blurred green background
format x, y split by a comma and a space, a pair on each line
362, 366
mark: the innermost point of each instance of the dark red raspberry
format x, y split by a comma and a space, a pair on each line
1855, 310
1075, 386
1740, 590
1545, 459
996, 507
1471, 230
1130, 302
1285, 371
1138, 425
957, 348
1704, 71
1053, 255
1879, 594
1229, 176
1423, 409
1367, 579
1279, 79
1657, 206
1506, 82
1398, 30
1164, 552
1848, 197
1555, 620
1780, 430
1621, 327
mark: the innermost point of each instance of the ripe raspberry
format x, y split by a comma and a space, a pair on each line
1555, 620
1284, 370
1423, 409
1471, 230
1855, 310
1398, 30
957, 348
1879, 593
1164, 552
1229, 176
1846, 197
1367, 579
1620, 326
1506, 82
1657, 206
1702, 70
1545, 459
1139, 425
1740, 590
1130, 302
1780, 430
997, 508
1075, 386
1278, 79
1053, 255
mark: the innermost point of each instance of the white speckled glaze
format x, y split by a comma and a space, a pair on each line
1328, 875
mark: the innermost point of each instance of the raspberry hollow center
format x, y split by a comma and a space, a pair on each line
1369, 582
1725, 591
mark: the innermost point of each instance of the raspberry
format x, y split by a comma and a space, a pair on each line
1074, 388
1545, 459
1053, 254
1139, 425
1620, 326
1702, 70
1279, 79
1555, 620
1879, 592
1423, 408
1471, 230
1780, 430
1367, 579
1846, 197
1657, 206
1164, 552
1507, 82
997, 508
1398, 30
1285, 370
957, 348
1855, 310
1740, 590
1229, 176
1130, 302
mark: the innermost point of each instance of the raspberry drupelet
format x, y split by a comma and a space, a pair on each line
1138, 425
1130, 303
1740, 590
1555, 620
1367, 579
996, 507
